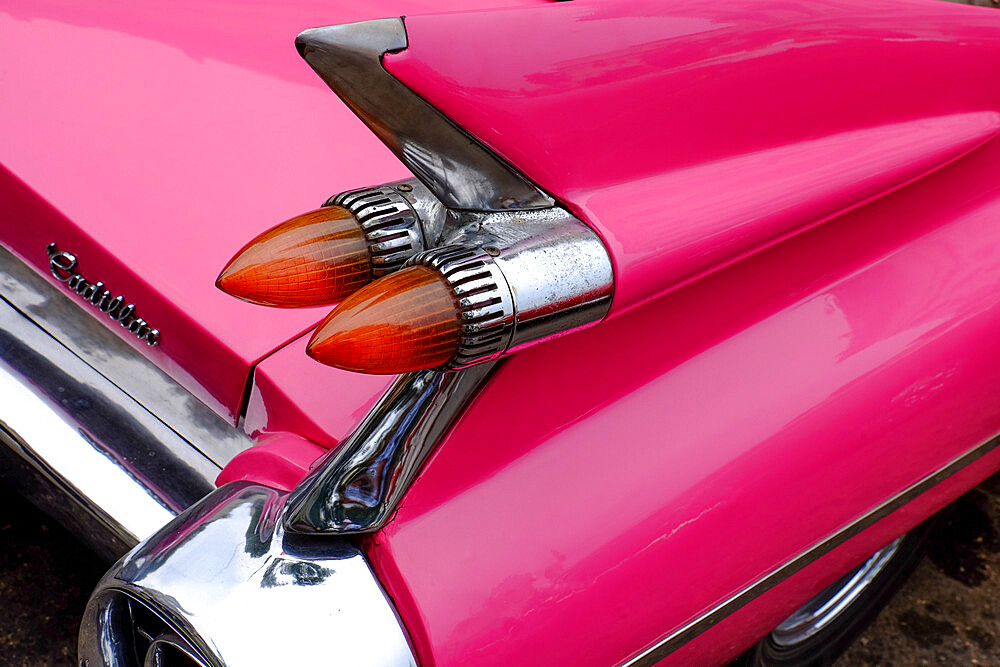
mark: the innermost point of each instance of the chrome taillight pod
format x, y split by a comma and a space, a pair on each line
557, 269
484, 304
504, 281
521, 278
512, 280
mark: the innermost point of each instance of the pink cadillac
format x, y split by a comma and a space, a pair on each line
615, 333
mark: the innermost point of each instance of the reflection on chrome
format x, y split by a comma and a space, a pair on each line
86, 335
453, 165
825, 607
357, 486
224, 573
28, 422
123, 472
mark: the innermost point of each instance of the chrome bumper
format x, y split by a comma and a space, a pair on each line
83, 449
224, 585
90, 431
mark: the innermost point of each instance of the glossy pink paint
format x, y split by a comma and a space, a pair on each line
295, 393
739, 631
646, 117
608, 486
279, 460
732, 413
154, 139
652, 466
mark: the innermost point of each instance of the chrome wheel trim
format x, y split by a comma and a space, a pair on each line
824, 608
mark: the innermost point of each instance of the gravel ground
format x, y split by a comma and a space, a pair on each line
45, 579
947, 614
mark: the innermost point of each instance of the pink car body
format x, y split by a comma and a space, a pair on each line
798, 364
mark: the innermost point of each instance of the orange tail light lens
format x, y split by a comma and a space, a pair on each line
406, 321
314, 259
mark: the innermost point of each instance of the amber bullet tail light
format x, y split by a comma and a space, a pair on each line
451, 308
322, 256
314, 259
495, 284
403, 322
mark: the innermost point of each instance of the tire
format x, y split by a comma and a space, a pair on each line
822, 629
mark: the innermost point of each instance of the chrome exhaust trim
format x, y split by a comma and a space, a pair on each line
68, 433
223, 573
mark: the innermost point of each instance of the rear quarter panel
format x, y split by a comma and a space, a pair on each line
775, 365
607, 487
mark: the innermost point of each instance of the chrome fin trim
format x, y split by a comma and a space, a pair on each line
681, 636
356, 487
459, 170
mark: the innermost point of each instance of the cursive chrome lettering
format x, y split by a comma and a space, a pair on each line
63, 265
112, 305
125, 313
95, 297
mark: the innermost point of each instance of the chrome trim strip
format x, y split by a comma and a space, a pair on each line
120, 467
686, 633
460, 171
356, 487
224, 573
87, 335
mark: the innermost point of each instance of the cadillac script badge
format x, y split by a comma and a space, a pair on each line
63, 267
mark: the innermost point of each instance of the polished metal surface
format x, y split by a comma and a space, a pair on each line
118, 471
169, 650
519, 278
224, 584
558, 270
664, 647
826, 607
80, 330
356, 487
63, 265
486, 308
458, 169
391, 225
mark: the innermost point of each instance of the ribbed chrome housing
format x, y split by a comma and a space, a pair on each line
389, 222
484, 299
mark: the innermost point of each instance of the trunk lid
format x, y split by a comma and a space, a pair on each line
153, 141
